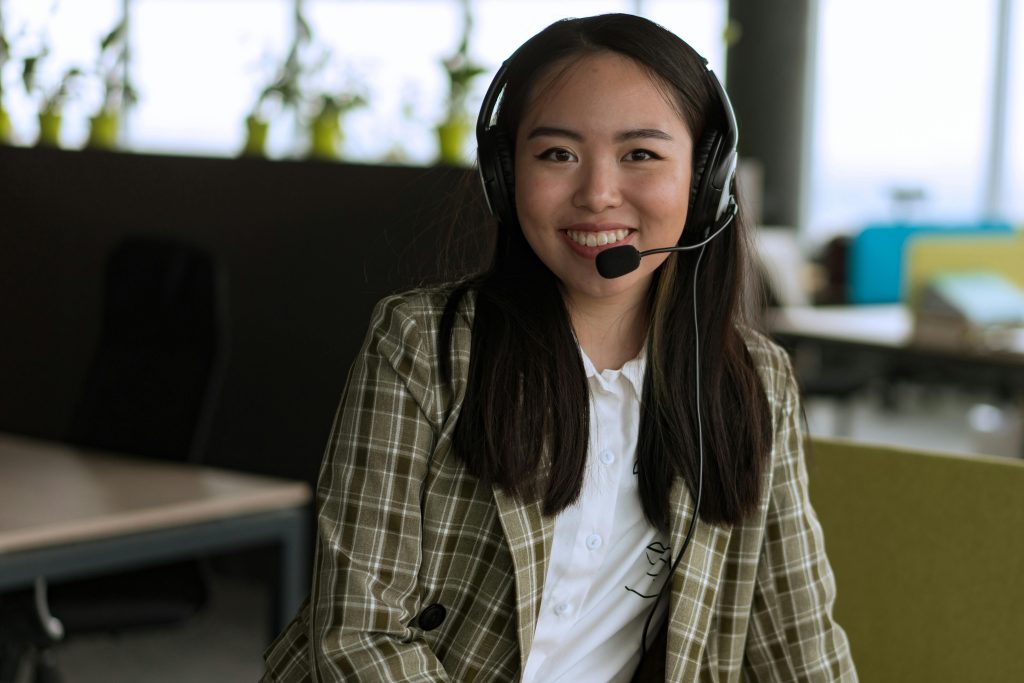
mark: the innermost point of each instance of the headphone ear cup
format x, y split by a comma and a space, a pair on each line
506, 167
702, 203
497, 170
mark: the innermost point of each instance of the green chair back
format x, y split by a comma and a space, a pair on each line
928, 553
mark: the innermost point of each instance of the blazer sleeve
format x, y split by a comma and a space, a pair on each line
792, 635
364, 596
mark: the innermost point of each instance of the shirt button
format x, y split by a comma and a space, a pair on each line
607, 457
594, 541
563, 609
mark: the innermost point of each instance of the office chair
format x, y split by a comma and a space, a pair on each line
150, 386
149, 392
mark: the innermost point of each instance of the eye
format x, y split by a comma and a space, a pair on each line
641, 155
557, 154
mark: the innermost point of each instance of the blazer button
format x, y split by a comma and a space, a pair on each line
432, 617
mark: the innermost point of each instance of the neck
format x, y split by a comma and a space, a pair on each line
611, 332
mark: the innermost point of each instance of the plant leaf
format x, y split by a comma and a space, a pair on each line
114, 36
28, 72
304, 33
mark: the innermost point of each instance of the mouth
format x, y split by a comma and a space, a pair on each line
598, 238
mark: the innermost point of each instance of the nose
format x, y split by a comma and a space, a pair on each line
598, 187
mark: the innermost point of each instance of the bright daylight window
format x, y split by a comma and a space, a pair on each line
199, 66
60, 39
1012, 192
903, 103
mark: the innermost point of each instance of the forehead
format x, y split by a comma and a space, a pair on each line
602, 85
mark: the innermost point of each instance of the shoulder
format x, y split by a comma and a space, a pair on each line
422, 309
405, 332
774, 366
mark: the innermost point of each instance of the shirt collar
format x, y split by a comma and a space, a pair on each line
633, 371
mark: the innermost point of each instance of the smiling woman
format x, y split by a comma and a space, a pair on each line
533, 468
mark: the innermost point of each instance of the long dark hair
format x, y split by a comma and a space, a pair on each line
524, 424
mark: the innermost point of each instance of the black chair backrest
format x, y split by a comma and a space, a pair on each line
151, 386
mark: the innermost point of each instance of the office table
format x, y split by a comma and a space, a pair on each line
882, 336
67, 513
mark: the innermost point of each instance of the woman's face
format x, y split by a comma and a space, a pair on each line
602, 159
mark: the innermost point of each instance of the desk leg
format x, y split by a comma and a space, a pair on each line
292, 582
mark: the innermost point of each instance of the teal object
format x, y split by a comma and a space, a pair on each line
875, 259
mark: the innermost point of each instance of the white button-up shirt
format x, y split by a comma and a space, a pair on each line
607, 562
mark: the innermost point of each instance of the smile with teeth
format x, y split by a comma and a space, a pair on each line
597, 239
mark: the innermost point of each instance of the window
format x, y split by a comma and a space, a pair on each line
903, 97
71, 32
402, 66
1012, 193
701, 23
199, 66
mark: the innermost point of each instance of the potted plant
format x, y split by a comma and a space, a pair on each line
118, 92
320, 112
283, 93
325, 125
461, 70
51, 98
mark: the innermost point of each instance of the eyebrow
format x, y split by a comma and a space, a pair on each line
632, 134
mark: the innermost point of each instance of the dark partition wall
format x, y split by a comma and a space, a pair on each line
307, 248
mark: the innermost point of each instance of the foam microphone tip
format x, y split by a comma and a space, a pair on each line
617, 261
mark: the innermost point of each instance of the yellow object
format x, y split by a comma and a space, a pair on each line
929, 256
325, 137
927, 554
5, 127
49, 130
103, 131
451, 139
256, 130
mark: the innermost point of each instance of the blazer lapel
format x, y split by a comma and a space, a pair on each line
694, 586
528, 534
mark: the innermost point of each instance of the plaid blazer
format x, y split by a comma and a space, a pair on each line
423, 574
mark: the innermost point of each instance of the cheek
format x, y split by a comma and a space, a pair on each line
530, 209
536, 198
669, 198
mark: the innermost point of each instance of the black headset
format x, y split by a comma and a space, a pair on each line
712, 199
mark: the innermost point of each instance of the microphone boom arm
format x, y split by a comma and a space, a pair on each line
722, 225
618, 261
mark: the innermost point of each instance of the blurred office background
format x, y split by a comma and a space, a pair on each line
297, 142
910, 109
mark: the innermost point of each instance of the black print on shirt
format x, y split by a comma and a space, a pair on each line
657, 555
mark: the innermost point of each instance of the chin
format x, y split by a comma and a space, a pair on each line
597, 287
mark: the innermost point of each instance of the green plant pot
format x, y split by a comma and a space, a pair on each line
256, 130
325, 137
49, 130
103, 131
5, 128
451, 138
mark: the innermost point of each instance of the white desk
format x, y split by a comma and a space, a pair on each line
66, 513
883, 336
882, 325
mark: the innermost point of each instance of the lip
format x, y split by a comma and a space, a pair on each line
592, 252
